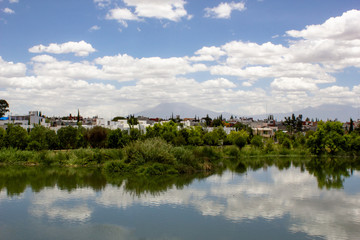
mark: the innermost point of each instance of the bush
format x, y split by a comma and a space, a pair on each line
184, 156
257, 141
97, 137
116, 166
269, 146
232, 151
286, 143
207, 153
149, 150
238, 138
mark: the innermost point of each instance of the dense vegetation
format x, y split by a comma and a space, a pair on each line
328, 138
166, 148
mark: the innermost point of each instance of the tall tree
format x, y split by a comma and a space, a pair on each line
4, 107
207, 120
132, 120
78, 116
351, 125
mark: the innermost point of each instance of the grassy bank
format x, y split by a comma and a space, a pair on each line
155, 156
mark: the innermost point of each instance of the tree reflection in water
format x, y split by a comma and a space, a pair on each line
329, 172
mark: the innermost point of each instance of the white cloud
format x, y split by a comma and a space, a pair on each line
172, 10
8, 11
218, 83
343, 27
208, 54
81, 48
10, 69
126, 68
94, 28
293, 84
136, 10
224, 9
102, 3
43, 58
13, 1
122, 15
50, 203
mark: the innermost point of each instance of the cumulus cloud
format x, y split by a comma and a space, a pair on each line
122, 15
13, 1
8, 11
10, 69
293, 84
102, 3
81, 48
208, 54
224, 9
94, 28
295, 71
136, 10
172, 10
50, 203
343, 27
125, 67
218, 83
43, 58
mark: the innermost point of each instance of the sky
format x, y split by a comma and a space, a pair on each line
117, 57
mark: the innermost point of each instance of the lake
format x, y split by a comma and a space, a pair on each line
271, 201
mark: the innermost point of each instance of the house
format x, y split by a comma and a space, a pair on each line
25, 121
266, 132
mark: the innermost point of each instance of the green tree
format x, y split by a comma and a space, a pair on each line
97, 137
351, 125
67, 137
4, 107
208, 120
294, 123
218, 121
37, 138
132, 121
329, 137
16, 137
135, 134
117, 139
52, 139
257, 141
238, 138
81, 136
196, 136
2, 138
211, 138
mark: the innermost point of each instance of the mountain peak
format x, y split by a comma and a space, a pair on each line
165, 110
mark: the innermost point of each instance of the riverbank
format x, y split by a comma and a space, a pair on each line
150, 157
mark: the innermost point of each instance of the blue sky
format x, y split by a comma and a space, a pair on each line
117, 57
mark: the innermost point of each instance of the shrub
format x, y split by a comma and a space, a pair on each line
232, 151
116, 167
269, 146
286, 143
257, 141
149, 150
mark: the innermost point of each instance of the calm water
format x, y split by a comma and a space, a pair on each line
301, 202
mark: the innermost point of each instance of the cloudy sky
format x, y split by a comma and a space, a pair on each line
117, 57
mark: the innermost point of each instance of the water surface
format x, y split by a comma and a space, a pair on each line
272, 202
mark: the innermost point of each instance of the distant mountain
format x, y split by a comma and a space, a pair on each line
165, 110
324, 112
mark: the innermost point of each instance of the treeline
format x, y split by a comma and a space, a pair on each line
328, 138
